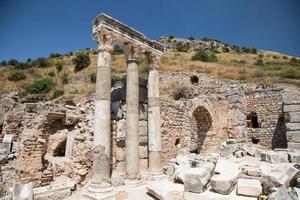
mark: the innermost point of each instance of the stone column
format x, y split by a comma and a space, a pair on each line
102, 134
132, 166
154, 141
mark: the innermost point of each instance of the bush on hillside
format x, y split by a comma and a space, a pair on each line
171, 37
41, 62
3, 63
54, 55
40, 86
181, 48
295, 61
12, 62
57, 93
204, 56
290, 73
64, 79
191, 38
22, 65
259, 62
81, 61
51, 73
16, 75
93, 77
59, 67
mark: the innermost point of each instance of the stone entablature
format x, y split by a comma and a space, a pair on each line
117, 32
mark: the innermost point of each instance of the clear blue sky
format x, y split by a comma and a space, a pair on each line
34, 28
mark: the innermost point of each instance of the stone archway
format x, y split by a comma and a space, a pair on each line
202, 116
204, 124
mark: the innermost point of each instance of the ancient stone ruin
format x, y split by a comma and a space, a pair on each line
219, 138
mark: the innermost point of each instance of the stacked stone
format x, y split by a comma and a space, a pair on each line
236, 116
291, 109
267, 104
31, 155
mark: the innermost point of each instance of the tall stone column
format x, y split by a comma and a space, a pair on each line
132, 166
102, 133
154, 138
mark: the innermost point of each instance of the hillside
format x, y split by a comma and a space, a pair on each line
232, 62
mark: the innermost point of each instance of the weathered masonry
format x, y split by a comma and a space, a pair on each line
108, 32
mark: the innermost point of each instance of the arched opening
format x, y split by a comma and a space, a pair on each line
204, 124
194, 79
60, 150
252, 120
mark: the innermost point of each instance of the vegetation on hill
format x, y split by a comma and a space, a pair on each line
53, 76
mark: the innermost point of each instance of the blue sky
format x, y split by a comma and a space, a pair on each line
34, 28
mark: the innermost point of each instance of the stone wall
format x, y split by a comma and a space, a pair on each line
291, 109
266, 104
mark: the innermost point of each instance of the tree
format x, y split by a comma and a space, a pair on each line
59, 67
12, 62
81, 61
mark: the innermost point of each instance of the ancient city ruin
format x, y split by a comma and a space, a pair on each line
221, 139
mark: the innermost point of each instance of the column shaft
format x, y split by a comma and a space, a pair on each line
155, 164
132, 167
102, 132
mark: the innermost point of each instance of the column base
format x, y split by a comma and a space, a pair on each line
96, 188
112, 195
133, 182
156, 176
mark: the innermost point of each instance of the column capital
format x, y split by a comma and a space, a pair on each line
153, 61
105, 40
132, 52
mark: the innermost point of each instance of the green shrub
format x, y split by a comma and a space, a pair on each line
259, 62
290, 73
40, 86
51, 73
284, 57
118, 50
41, 62
57, 93
22, 65
171, 37
226, 49
54, 55
181, 48
253, 50
59, 67
16, 75
93, 77
294, 61
64, 79
3, 63
236, 48
12, 62
204, 56
191, 38
81, 61
260, 55
275, 57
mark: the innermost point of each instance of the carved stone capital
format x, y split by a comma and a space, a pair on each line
153, 61
132, 51
105, 40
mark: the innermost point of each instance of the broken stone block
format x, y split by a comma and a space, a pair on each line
249, 187
166, 190
252, 171
225, 181
275, 156
171, 169
294, 156
283, 193
240, 154
290, 176
196, 179
22, 191
180, 173
271, 175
